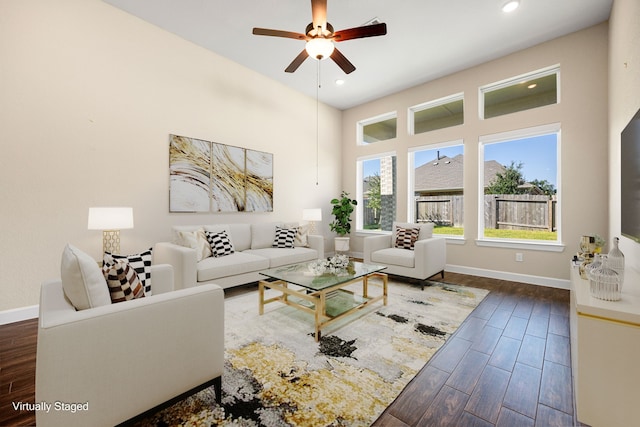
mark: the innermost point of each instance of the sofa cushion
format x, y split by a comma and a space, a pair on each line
302, 236
140, 262
220, 243
285, 237
405, 238
196, 240
426, 228
262, 235
123, 282
230, 265
82, 281
394, 256
278, 257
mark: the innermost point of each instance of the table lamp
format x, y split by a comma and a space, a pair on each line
110, 221
312, 215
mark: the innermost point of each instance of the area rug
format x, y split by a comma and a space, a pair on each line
276, 374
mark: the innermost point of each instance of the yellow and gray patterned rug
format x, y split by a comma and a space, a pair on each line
277, 375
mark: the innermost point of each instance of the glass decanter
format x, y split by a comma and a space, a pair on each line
615, 260
604, 282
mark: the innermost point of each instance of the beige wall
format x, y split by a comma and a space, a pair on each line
88, 98
582, 112
624, 101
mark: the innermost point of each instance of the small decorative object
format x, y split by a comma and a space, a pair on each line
335, 265
587, 246
604, 283
615, 260
599, 242
593, 263
342, 210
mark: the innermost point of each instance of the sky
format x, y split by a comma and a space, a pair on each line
538, 156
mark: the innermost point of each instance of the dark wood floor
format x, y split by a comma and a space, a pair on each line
507, 365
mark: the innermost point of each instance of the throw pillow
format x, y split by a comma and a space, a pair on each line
196, 240
220, 243
285, 237
141, 263
82, 281
123, 282
302, 236
406, 237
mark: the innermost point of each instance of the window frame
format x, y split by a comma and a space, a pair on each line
360, 125
360, 190
542, 245
511, 81
411, 111
411, 205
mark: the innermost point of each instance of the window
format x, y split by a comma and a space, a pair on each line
520, 93
436, 187
377, 129
519, 199
442, 113
376, 208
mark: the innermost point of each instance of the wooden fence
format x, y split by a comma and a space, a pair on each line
503, 211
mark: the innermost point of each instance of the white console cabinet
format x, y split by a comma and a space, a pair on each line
605, 353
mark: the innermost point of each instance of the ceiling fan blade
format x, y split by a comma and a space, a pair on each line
297, 62
279, 33
342, 62
360, 32
319, 13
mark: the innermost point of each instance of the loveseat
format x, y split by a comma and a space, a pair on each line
105, 363
251, 248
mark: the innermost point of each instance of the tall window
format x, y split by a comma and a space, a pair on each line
376, 197
519, 173
437, 189
378, 128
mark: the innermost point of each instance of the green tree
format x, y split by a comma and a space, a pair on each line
545, 186
507, 182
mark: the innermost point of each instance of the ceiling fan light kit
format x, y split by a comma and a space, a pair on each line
320, 38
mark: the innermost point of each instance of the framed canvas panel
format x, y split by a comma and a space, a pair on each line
228, 178
189, 174
259, 181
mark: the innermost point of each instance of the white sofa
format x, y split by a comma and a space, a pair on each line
428, 257
253, 252
117, 361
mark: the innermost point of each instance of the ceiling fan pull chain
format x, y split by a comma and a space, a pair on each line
318, 125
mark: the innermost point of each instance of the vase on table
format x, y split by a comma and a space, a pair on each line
615, 260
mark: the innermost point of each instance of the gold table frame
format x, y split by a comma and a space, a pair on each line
319, 298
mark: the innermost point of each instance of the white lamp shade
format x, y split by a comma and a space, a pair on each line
110, 218
312, 214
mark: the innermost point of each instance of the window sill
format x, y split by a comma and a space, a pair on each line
545, 246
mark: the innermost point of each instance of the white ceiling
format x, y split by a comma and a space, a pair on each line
426, 39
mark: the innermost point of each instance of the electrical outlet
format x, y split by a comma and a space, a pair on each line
519, 257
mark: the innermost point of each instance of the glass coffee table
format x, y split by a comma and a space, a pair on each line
323, 294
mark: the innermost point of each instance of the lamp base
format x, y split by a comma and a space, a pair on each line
111, 241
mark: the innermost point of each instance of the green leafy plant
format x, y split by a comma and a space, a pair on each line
342, 210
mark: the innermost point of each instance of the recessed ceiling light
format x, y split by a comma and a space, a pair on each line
339, 82
532, 85
510, 6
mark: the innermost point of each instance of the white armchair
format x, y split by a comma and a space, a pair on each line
106, 365
428, 257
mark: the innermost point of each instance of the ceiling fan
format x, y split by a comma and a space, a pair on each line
320, 36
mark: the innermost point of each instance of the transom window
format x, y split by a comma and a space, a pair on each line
520, 93
375, 129
438, 114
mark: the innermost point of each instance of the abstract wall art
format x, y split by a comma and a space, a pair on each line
207, 176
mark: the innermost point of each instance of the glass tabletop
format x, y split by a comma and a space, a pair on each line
311, 275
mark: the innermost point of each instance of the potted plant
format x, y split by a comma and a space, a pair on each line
342, 209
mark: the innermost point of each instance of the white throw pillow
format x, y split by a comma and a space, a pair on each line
82, 280
196, 240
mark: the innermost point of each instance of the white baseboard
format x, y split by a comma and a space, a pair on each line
513, 277
19, 314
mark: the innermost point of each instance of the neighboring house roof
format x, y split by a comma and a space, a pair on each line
445, 173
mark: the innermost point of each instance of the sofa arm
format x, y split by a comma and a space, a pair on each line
375, 243
123, 359
433, 253
161, 278
316, 242
182, 259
